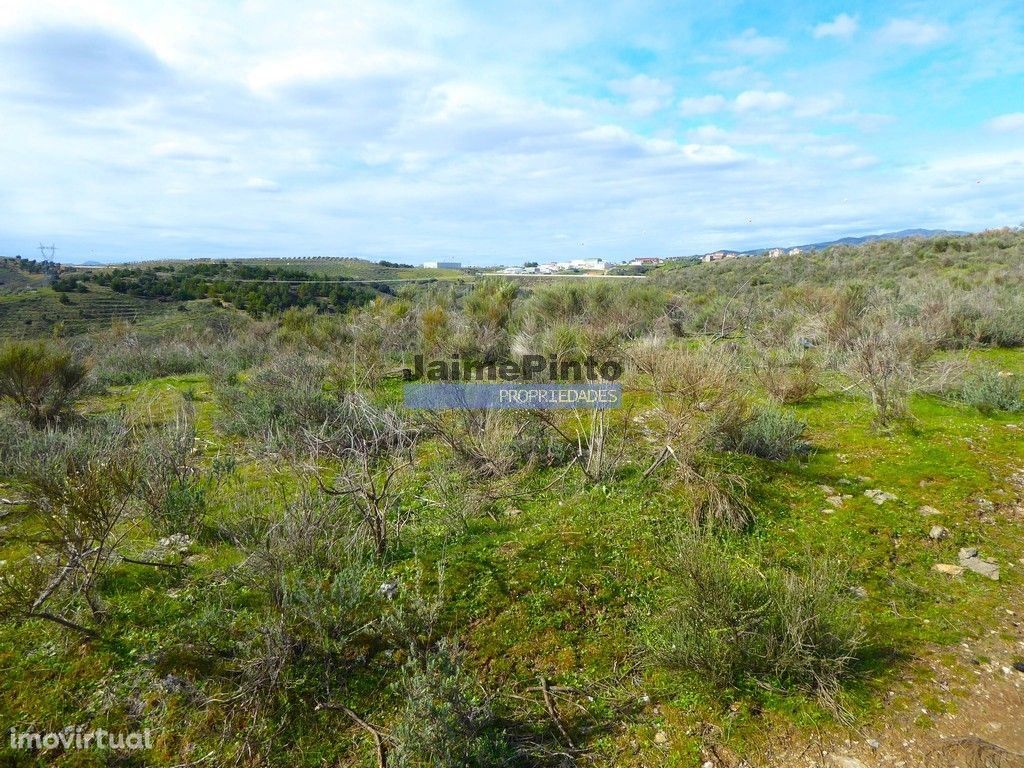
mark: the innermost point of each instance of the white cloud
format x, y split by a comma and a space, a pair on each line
913, 33
703, 105
188, 150
259, 184
645, 95
738, 77
750, 43
762, 101
817, 106
842, 26
1009, 123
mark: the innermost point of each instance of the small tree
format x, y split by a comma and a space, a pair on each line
43, 382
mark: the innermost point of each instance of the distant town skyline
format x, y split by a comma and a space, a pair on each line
490, 133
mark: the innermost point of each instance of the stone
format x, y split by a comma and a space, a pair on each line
873, 743
661, 738
844, 761
968, 558
948, 569
937, 533
1019, 666
879, 496
835, 501
389, 589
926, 510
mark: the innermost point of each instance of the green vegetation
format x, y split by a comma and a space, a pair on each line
223, 526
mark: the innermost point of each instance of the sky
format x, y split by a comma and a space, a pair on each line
496, 132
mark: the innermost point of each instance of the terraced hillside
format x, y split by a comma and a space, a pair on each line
40, 311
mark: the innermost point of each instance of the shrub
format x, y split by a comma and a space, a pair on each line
772, 433
77, 490
318, 602
174, 488
719, 495
884, 362
736, 625
278, 401
787, 382
445, 721
41, 381
989, 391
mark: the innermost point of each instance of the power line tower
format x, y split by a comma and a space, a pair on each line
44, 248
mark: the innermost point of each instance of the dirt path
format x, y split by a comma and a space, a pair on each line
976, 720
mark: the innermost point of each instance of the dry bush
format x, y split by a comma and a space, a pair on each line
320, 602
494, 443
42, 381
736, 625
719, 495
362, 453
175, 487
77, 512
885, 361
278, 400
787, 379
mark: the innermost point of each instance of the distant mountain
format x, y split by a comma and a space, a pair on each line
775, 251
903, 233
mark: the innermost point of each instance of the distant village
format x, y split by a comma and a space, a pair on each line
600, 265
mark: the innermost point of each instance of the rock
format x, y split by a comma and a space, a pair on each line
661, 738
828, 490
859, 592
828, 511
842, 761
968, 558
1019, 666
948, 569
177, 542
389, 589
926, 510
835, 501
873, 743
937, 533
879, 496
174, 684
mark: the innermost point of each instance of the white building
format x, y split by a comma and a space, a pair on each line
442, 265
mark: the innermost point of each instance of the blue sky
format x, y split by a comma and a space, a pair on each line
500, 132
